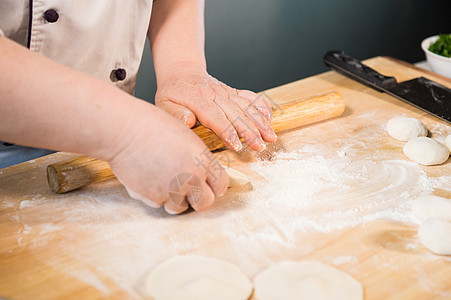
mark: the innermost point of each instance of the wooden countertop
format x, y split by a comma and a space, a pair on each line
98, 243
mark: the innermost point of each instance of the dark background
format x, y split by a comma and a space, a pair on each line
259, 44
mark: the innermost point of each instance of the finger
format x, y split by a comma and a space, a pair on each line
255, 116
217, 179
179, 112
259, 101
212, 117
176, 207
238, 119
202, 198
179, 187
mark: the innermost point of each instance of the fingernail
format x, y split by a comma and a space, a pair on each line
271, 133
185, 120
261, 144
237, 146
171, 212
233, 143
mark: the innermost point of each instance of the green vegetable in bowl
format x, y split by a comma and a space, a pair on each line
442, 46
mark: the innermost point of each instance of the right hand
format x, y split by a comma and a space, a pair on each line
189, 93
163, 163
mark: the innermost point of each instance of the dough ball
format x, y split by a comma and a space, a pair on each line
405, 129
236, 178
426, 151
197, 278
306, 280
448, 142
431, 206
435, 234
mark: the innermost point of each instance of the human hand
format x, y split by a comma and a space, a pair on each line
189, 93
163, 163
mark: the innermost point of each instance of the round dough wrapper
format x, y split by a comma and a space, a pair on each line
431, 206
426, 151
404, 128
306, 280
435, 234
197, 278
236, 178
448, 142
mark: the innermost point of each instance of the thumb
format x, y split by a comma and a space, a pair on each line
179, 112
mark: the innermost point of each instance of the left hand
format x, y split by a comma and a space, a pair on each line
189, 93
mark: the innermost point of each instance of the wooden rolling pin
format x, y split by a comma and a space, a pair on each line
72, 174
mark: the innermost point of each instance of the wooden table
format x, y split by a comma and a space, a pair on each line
98, 243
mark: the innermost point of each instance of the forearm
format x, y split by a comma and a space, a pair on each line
45, 104
177, 33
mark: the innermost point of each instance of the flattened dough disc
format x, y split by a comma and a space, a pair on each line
197, 278
306, 280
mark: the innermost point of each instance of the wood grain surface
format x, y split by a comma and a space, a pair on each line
97, 242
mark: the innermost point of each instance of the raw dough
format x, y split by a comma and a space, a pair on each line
431, 206
405, 129
426, 151
435, 234
236, 178
197, 278
306, 280
448, 142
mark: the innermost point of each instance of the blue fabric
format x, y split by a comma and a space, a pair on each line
15, 154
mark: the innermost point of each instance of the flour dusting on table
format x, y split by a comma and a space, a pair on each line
332, 193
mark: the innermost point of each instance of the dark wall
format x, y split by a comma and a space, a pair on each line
259, 44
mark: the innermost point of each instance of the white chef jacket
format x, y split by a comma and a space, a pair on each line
103, 38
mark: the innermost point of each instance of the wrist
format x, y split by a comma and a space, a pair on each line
180, 69
136, 117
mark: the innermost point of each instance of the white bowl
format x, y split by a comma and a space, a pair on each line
439, 64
